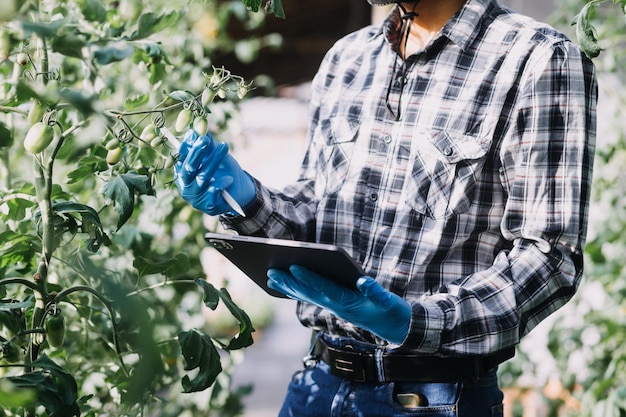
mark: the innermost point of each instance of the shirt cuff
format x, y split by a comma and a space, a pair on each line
426, 327
258, 212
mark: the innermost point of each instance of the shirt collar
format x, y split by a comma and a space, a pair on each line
461, 29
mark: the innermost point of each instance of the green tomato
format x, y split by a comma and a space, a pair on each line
200, 125
112, 144
157, 141
55, 329
184, 118
11, 352
21, 58
35, 113
208, 95
114, 155
8, 10
38, 137
148, 133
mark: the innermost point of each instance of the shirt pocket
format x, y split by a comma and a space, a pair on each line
334, 142
445, 171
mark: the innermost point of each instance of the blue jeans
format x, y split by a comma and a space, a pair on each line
315, 392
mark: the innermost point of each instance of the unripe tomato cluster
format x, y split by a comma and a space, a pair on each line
192, 115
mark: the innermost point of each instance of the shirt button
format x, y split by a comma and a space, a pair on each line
373, 196
387, 139
447, 151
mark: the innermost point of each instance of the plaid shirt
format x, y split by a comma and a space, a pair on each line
473, 206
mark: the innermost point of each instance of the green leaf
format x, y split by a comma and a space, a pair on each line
252, 4
93, 10
17, 249
168, 267
158, 72
56, 390
244, 338
211, 299
211, 295
44, 30
121, 191
112, 53
87, 166
181, 95
136, 101
69, 45
199, 352
275, 7
80, 101
151, 23
6, 138
585, 31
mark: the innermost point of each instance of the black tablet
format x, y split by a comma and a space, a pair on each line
254, 256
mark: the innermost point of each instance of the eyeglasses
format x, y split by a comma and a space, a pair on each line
399, 77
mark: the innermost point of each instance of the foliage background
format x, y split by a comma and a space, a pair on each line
583, 370
92, 226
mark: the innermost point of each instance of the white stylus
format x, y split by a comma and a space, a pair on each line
225, 194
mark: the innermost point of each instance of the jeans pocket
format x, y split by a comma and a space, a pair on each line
497, 410
425, 399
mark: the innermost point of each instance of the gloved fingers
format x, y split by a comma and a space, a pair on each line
333, 292
282, 281
200, 162
211, 161
188, 140
375, 292
214, 201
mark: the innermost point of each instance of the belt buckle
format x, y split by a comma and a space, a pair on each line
348, 365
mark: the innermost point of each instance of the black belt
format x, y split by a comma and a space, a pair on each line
393, 367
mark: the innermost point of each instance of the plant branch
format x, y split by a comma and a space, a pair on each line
158, 285
83, 288
21, 196
9, 109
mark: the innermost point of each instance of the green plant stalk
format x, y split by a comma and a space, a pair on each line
61, 296
43, 189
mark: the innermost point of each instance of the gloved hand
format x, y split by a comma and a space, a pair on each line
204, 169
372, 307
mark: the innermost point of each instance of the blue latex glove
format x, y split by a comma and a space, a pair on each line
372, 307
204, 169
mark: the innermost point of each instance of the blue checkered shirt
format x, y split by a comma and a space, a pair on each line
473, 206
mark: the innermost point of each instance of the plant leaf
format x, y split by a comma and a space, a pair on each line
199, 352
68, 45
211, 299
6, 138
121, 191
167, 267
93, 10
585, 32
211, 295
134, 102
112, 53
56, 390
151, 23
244, 338
275, 7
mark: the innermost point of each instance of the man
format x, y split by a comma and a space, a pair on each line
450, 152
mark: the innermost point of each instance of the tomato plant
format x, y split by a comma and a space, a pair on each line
103, 296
